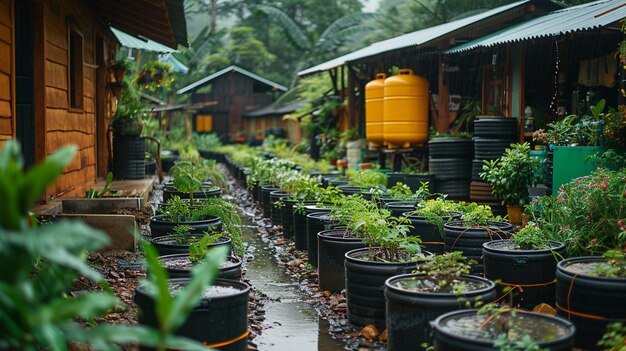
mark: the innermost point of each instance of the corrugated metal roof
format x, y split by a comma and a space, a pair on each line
205, 80
133, 42
572, 19
177, 66
274, 109
416, 38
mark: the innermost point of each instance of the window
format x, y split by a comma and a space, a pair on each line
75, 68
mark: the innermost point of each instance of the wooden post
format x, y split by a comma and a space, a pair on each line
443, 121
352, 103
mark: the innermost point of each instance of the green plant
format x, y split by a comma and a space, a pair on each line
182, 233
39, 264
531, 237
437, 211
208, 141
512, 174
614, 265
402, 192
615, 338
445, 269
198, 250
588, 215
95, 194
367, 178
500, 319
129, 113
154, 76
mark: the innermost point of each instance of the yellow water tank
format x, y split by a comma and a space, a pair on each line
374, 94
405, 110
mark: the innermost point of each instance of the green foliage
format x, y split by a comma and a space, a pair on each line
95, 194
615, 265
189, 176
615, 338
446, 268
437, 211
130, 112
402, 192
39, 264
199, 250
531, 237
205, 141
182, 234
367, 178
512, 174
588, 215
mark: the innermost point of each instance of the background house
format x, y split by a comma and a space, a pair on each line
54, 59
234, 91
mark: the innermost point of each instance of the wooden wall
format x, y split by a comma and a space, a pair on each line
257, 125
66, 125
6, 70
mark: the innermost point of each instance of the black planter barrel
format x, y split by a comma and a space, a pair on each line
451, 168
505, 128
167, 245
456, 189
316, 222
229, 269
394, 178
431, 235
590, 302
300, 225
365, 284
450, 147
529, 273
397, 208
490, 149
219, 321
159, 226
266, 203
332, 247
414, 181
276, 211
354, 190
448, 330
410, 311
129, 157
205, 192
286, 215
470, 239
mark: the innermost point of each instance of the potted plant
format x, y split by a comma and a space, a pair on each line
501, 328
129, 149
524, 266
390, 250
154, 76
427, 222
183, 236
511, 175
442, 284
476, 226
195, 180
590, 292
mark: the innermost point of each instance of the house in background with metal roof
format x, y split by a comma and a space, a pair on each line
423, 51
550, 66
234, 91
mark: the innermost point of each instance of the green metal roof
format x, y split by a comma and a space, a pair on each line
583, 17
133, 42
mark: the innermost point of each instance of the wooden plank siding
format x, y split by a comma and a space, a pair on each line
7, 71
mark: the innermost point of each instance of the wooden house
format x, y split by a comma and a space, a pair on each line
54, 75
234, 91
270, 119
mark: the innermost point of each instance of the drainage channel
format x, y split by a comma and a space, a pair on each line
291, 323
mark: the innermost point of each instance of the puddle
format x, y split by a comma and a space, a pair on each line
290, 322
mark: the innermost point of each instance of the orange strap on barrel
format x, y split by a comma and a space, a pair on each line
223, 343
520, 287
580, 314
432, 243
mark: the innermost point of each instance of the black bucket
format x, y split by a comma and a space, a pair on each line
450, 339
276, 211
529, 273
490, 149
332, 248
590, 302
160, 227
429, 233
456, 189
394, 178
266, 203
300, 226
365, 285
470, 240
409, 312
496, 128
450, 148
450, 168
217, 320
167, 245
397, 208
229, 269
203, 193
316, 222
286, 216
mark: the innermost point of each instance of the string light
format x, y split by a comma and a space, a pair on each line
555, 94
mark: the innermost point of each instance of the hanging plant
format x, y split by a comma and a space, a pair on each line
154, 76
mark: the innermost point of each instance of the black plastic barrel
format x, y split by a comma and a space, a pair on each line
159, 226
316, 222
430, 234
409, 312
229, 269
286, 214
397, 208
490, 149
496, 128
129, 157
365, 284
450, 147
456, 189
450, 168
217, 320
414, 181
470, 239
167, 245
300, 225
394, 178
266, 204
204, 193
332, 247
450, 339
276, 210
590, 302
532, 270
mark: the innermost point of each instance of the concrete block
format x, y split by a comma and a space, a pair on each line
120, 228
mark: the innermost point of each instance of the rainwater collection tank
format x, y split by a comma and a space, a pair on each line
374, 94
